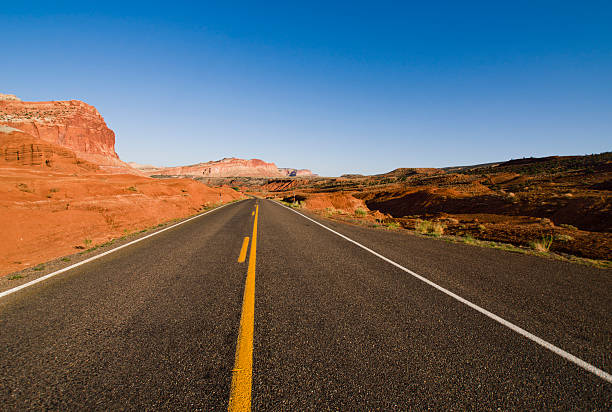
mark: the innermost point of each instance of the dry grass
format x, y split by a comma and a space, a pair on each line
392, 225
543, 245
329, 211
359, 212
469, 239
295, 205
427, 227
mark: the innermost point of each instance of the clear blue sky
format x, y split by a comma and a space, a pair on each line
337, 87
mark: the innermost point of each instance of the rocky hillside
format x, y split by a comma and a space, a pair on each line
563, 202
72, 124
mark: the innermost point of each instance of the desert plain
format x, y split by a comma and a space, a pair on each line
64, 190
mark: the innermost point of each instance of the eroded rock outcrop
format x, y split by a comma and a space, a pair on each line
9, 97
19, 149
72, 124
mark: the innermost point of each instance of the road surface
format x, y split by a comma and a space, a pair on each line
168, 323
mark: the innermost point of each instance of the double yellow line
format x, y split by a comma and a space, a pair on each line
242, 374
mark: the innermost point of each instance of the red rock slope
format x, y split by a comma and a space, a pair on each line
21, 149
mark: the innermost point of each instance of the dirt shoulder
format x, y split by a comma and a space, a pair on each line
21, 277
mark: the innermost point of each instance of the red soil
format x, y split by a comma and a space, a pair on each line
340, 201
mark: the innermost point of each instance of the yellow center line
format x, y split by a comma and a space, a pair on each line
242, 374
243, 251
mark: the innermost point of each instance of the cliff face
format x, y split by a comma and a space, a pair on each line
18, 149
228, 167
71, 124
295, 172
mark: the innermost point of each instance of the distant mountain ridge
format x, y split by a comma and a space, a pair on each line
227, 167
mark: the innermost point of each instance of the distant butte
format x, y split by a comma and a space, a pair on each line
228, 167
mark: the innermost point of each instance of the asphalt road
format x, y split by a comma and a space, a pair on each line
155, 325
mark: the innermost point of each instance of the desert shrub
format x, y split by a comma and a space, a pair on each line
359, 212
563, 238
570, 227
422, 226
294, 198
330, 211
438, 228
542, 245
392, 225
24, 188
132, 189
295, 205
469, 239
427, 227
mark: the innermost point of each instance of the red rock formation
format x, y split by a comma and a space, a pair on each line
72, 124
51, 200
11, 97
18, 149
228, 167
296, 172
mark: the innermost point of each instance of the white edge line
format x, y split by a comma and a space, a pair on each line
574, 359
82, 262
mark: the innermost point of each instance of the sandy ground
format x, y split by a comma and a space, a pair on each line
46, 214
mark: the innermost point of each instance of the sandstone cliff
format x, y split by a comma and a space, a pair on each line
71, 124
228, 167
295, 172
19, 149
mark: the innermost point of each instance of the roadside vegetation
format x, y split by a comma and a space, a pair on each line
542, 245
295, 205
436, 229
392, 225
426, 227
